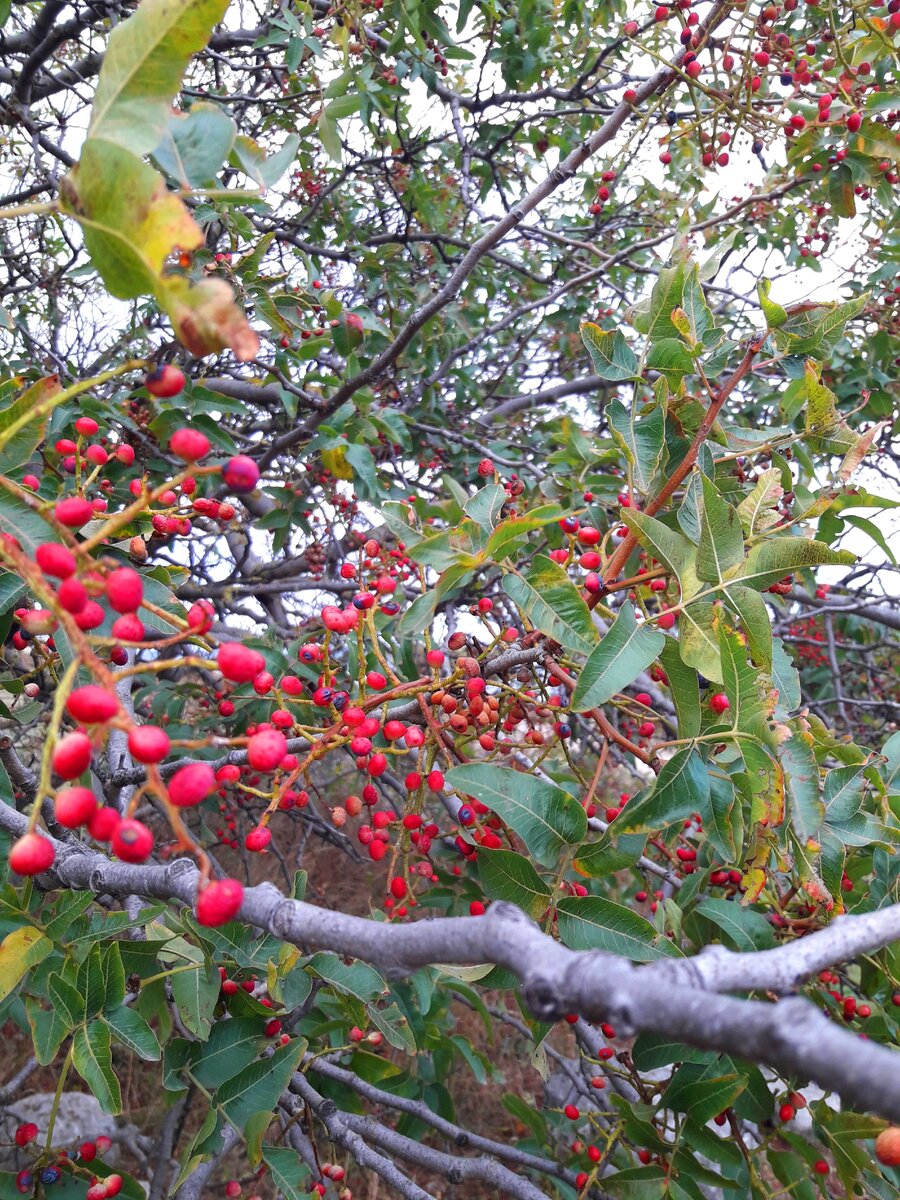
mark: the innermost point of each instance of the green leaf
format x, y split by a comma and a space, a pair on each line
746, 929
671, 358
509, 876
195, 144
17, 448
92, 1057
668, 545
785, 679
507, 532
263, 169
21, 950
654, 1050
330, 137
258, 1087
129, 1027
721, 540
684, 688
544, 816
815, 329
195, 993
353, 979
486, 505
231, 1047
682, 787
617, 660
698, 642
92, 981
289, 1172
611, 356
553, 604
48, 1030
66, 1000
145, 58
775, 315
757, 510
741, 680
770, 561
640, 437
704, 1090
654, 316
595, 923
805, 805
751, 608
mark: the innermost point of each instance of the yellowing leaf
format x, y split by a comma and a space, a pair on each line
206, 317
131, 222
20, 951
142, 69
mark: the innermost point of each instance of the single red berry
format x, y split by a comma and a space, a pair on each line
132, 841
257, 839
73, 512
666, 620
219, 901
189, 444
55, 560
820, 1166
148, 743
646, 729
113, 1182
103, 824
786, 1112
31, 854
87, 1151
92, 705
72, 755
232, 1188
887, 1146
719, 703
191, 784
266, 749
164, 382
241, 474
124, 590
26, 1133
239, 663
74, 806
571, 1112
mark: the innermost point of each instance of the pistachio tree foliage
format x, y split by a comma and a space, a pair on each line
449, 725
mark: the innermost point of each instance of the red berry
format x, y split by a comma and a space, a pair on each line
266, 749
26, 1133
92, 705
719, 703
887, 1146
241, 473
74, 806
31, 854
72, 755
219, 901
73, 512
55, 560
820, 1166
189, 444
191, 784
786, 1112
239, 663
103, 824
72, 595
571, 1112
232, 1188
257, 839
666, 620
165, 381
132, 841
646, 728
87, 1151
124, 590
113, 1183
148, 743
